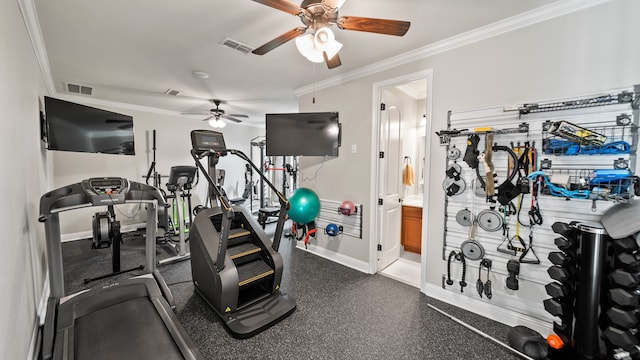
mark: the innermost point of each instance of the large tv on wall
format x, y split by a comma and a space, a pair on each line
80, 128
307, 134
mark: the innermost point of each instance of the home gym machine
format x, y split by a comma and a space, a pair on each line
132, 319
236, 268
266, 211
179, 185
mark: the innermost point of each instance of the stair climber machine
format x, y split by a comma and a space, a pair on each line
132, 319
236, 268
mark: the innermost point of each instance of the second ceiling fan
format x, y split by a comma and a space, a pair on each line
214, 115
318, 16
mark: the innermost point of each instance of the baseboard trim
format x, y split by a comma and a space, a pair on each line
89, 234
34, 345
341, 259
494, 312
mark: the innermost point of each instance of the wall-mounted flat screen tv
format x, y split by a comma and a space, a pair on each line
80, 128
308, 134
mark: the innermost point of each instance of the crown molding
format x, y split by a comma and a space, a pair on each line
30, 17
531, 17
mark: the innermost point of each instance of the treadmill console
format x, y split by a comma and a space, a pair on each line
106, 191
207, 140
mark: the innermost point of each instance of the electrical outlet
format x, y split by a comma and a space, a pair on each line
354, 148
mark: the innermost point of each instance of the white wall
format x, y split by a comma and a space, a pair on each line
24, 179
173, 146
585, 52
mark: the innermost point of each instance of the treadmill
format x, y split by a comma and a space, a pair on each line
132, 319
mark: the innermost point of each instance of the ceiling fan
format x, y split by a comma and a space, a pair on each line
319, 15
214, 115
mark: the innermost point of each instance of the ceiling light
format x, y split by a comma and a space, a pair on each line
217, 123
307, 49
312, 46
199, 74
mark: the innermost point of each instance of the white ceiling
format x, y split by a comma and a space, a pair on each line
133, 51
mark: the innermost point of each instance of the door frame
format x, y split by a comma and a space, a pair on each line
375, 136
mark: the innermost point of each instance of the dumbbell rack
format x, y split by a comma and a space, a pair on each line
596, 293
580, 273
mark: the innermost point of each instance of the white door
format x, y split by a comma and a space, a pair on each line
389, 183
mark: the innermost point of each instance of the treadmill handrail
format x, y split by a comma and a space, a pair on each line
74, 196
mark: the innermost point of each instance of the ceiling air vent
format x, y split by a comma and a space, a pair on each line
172, 92
236, 45
79, 89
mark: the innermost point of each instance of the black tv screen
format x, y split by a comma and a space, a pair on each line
308, 134
80, 128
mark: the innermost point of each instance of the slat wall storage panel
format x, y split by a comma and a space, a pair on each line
351, 224
528, 299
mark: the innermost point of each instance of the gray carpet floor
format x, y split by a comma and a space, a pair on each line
341, 313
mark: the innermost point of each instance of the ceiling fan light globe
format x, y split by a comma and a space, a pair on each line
323, 38
217, 123
332, 49
307, 49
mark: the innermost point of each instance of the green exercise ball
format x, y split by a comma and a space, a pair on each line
304, 206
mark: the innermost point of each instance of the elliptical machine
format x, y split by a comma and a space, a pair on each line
236, 268
179, 185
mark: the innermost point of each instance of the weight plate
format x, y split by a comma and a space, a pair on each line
449, 182
463, 217
456, 167
453, 153
489, 220
472, 250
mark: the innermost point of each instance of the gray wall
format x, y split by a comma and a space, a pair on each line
24, 178
585, 52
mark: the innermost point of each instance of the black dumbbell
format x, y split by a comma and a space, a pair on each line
621, 338
556, 290
629, 261
625, 278
556, 307
564, 244
627, 244
624, 297
513, 267
564, 229
559, 273
559, 258
624, 319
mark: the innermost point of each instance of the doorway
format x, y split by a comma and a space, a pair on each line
403, 124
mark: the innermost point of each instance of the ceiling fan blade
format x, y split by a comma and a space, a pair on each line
283, 5
334, 62
279, 40
208, 117
196, 113
380, 26
239, 115
230, 118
